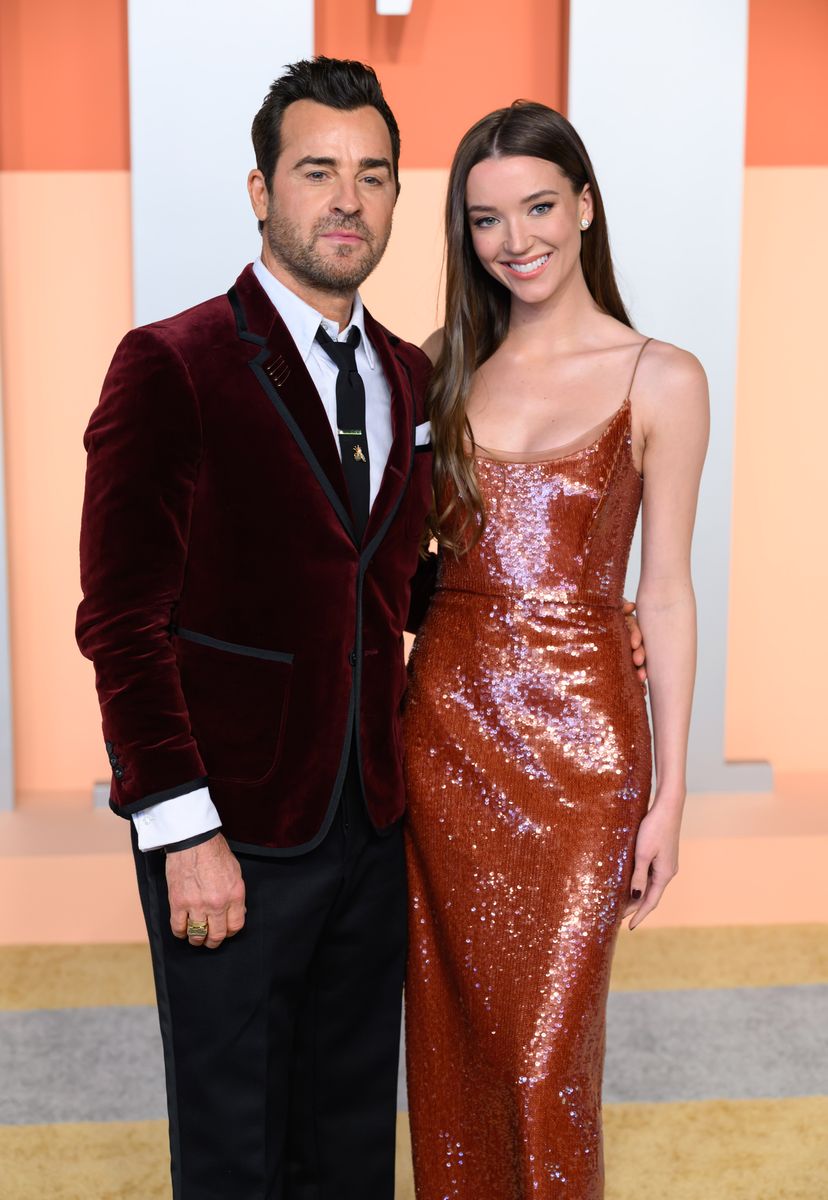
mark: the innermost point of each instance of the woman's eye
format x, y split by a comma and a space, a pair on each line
541, 210
484, 222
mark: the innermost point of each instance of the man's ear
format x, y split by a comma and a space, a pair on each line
258, 193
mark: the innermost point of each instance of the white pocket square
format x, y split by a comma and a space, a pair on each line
422, 434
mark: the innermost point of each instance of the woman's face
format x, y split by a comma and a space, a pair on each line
524, 217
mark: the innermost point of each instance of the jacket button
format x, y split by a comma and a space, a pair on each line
352, 658
119, 772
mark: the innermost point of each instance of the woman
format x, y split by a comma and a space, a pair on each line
527, 741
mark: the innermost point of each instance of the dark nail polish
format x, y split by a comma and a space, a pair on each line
636, 893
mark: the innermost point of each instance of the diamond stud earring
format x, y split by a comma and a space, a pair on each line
584, 222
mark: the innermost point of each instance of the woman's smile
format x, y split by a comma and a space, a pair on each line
527, 268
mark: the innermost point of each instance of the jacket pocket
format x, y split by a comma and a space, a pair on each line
237, 698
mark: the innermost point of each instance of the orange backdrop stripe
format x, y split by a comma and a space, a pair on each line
64, 98
61, 320
787, 99
448, 64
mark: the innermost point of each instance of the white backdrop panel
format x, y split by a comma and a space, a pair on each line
657, 91
199, 70
6, 742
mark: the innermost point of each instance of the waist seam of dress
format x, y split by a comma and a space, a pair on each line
529, 598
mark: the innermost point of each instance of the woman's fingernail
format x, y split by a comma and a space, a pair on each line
636, 893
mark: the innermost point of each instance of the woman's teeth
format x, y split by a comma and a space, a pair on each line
527, 268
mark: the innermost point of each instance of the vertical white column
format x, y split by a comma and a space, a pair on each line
657, 91
199, 70
6, 743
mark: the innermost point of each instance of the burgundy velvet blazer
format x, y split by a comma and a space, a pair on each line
239, 632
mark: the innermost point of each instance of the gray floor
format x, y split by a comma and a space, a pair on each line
104, 1064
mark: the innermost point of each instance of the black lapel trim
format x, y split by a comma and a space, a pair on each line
241, 321
258, 367
263, 368
369, 550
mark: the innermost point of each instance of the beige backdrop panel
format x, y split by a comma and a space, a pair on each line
778, 653
66, 286
404, 292
6, 753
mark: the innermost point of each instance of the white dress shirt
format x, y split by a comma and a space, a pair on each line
302, 323
194, 813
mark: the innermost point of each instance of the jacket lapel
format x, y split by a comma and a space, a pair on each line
283, 376
398, 466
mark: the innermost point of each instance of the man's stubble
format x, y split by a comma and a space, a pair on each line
340, 275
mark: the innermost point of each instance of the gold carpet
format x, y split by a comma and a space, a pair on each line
717, 1150
113, 1161
74, 976
648, 959
720, 957
713, 1150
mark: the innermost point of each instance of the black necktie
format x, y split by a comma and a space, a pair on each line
350, 420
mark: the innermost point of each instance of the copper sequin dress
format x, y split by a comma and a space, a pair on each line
528, 771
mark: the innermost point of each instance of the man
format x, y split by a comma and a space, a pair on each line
258, 482
254, 502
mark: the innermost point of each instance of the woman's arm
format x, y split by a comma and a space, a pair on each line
674, 418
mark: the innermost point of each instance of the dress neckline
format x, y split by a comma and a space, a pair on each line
562, 453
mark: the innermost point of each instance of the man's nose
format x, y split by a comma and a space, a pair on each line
346, 198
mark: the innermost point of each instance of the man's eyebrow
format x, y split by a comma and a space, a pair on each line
312, 160
525, 200
374, 164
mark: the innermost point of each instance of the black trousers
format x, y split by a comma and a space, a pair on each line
281, 1047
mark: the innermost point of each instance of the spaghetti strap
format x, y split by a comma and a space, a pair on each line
644, 346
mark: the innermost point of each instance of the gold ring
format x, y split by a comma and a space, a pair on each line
196, 929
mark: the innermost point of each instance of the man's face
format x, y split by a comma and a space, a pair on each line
328, 213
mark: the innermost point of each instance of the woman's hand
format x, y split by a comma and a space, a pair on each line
639, 654
656, 856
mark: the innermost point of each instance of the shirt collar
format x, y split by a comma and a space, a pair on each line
302, 320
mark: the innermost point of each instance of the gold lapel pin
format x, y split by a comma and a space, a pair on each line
358, 455
277, 370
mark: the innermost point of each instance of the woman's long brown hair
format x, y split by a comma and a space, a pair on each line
477, 306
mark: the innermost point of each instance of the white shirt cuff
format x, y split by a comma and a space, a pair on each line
176, 820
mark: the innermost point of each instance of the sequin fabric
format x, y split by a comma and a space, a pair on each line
528, 771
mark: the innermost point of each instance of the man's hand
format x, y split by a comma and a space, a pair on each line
205, 884
636, 642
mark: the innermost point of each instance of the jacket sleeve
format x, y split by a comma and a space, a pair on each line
424, 579
423, 584
143, 447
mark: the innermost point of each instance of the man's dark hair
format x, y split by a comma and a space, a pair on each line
337, 82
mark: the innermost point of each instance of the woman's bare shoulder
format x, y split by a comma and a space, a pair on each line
434, 344
670, 388
662, 364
